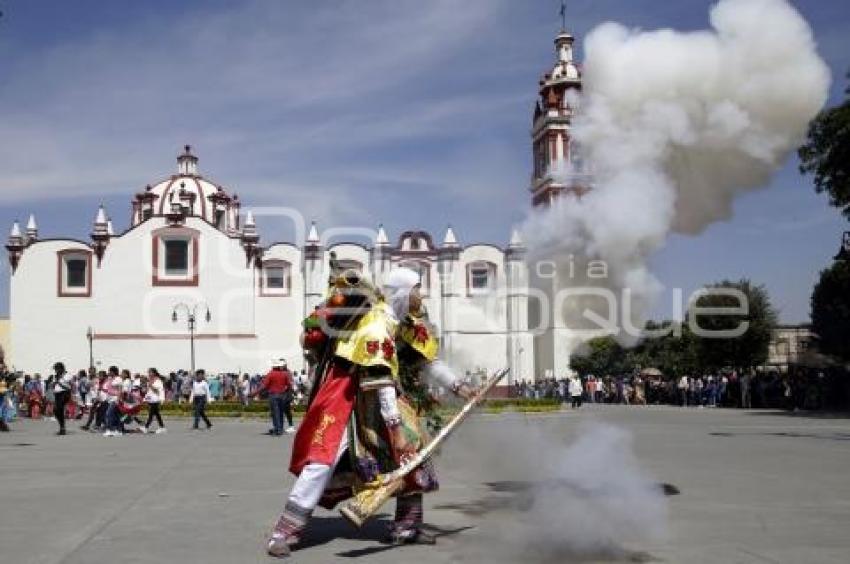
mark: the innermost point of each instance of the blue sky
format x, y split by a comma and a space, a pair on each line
413, 114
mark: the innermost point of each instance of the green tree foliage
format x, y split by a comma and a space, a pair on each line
831, 310
673, 352
826, 154
601, 356
745, 351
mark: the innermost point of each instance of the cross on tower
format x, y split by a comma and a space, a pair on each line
563, 13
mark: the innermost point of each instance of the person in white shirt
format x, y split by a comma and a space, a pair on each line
246, 389
575, 390
683, 391
199, 398
154, 398
114, 389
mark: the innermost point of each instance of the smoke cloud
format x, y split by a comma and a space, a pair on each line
675, 126
578, 502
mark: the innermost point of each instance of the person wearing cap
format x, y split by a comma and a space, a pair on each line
278, 384
62, 393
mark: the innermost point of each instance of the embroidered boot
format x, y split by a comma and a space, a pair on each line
287, 531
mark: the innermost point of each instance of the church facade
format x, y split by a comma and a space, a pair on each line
191, 255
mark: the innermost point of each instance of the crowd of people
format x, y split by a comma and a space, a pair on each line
113, 402
798, 389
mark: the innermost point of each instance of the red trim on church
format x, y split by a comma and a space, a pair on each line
191, 279
60, 273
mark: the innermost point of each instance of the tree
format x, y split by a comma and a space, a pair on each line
831, 310
826, 154
600, 356
674, 353
745, 351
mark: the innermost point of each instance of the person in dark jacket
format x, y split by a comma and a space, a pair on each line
62, 384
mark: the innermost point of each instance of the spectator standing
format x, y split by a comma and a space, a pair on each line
278, 385
84, 391
99, 403
154, 397
61, 394
199, 397
746, 397
4, 403
575, 392
114, 387
215, 388
243, 389
683, 391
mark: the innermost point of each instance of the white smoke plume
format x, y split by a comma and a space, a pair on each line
585, 501
676, 126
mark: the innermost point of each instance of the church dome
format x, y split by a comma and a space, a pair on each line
188, 192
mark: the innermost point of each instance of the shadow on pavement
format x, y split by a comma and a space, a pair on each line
519, 496
788, 434
435, 532
799, 414
323, 530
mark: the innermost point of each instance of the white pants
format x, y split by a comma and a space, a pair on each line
313, 480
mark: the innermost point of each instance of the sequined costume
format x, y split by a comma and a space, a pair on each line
362, 420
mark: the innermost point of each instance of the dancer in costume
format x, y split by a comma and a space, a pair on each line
359, 423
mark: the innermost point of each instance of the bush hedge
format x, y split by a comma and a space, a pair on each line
261, 408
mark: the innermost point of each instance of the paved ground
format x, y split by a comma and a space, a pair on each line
753, 488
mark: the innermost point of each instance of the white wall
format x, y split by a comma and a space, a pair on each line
132, 318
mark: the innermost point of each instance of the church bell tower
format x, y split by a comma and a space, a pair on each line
557, 166
558, 174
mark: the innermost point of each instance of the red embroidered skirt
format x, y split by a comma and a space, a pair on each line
324, 425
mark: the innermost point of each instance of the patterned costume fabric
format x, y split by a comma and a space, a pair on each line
347, 407
364, 415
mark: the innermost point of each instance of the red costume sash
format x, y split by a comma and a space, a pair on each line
318, 437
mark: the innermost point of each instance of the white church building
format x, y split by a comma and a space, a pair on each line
190, 249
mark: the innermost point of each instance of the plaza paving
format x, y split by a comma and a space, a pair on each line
753, 487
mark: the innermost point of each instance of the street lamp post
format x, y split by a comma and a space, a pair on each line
90, 337
191, 317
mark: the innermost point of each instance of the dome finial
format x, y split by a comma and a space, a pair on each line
187, 163
563, 15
